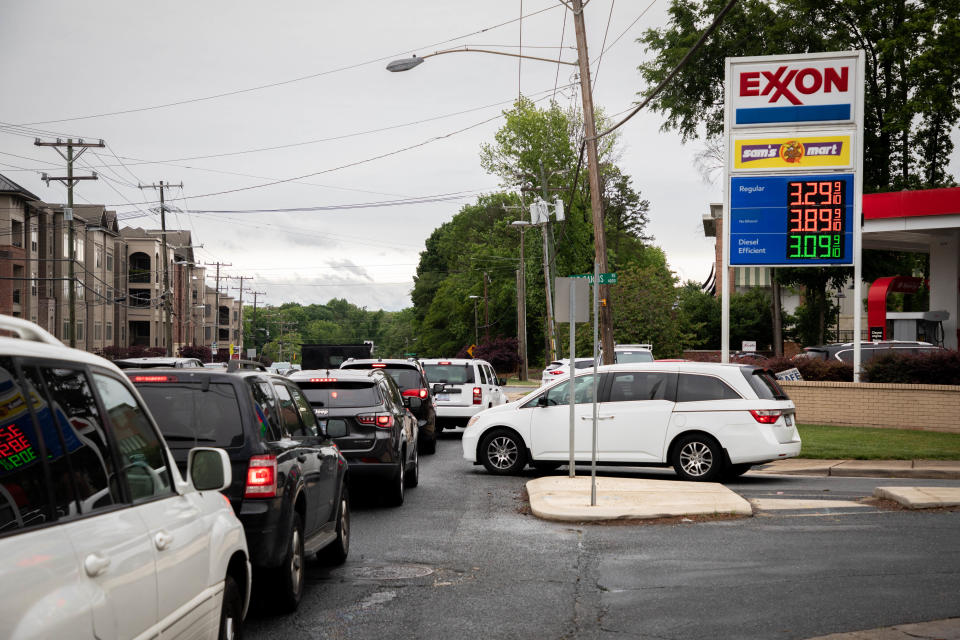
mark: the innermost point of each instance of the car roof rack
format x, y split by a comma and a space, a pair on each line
26, 330
244, 365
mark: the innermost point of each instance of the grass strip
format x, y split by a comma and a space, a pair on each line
864, 443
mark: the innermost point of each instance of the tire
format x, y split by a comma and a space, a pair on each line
428, 446
413, 473
394, 496
736, 470
503, 452
288, 578
697, 457
231, 611
335, 553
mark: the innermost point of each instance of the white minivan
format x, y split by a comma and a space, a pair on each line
100, 535
706, 420
462, 388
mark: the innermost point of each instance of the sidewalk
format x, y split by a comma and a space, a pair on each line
937, 469
948, 629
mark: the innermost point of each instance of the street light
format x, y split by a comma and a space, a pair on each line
605, 319
476, 334
522, 302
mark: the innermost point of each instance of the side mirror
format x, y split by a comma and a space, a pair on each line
437, 388
542, 401
333, 428
209, 469
413, 403
502, 382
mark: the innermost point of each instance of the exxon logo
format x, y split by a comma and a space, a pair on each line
792, 84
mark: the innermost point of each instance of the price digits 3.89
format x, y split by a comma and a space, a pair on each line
815, 219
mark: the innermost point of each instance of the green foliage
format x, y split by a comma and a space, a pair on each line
912, 99
645, 298
939, 367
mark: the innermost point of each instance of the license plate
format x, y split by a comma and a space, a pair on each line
789, 420
443, 397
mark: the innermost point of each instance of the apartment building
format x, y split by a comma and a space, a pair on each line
18, 251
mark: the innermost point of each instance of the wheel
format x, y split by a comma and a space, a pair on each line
288, 580
231, 611
736, 470
394, 495
413, 473
546, 467
502, 452
428, 446
336, 552
697, 457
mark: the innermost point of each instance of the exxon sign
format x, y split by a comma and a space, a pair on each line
793, 91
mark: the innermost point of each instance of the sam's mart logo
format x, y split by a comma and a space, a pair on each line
795, 152
793, 91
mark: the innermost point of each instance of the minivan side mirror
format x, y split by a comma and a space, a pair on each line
542, 401
209, 469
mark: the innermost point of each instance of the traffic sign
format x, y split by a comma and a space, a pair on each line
605, 278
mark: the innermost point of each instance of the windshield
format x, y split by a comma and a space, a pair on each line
632, 356
340, 394
189, 416
449, 373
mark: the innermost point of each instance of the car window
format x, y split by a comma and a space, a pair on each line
405, 377
87, 460
583, 364
189, 416
449, 373
560, 394
24, 499
306, 413
289, 413
636, 385
143, 461
483, 374
265, 407
394, 392
492, 374
340, 393
695, 388
621, 357
764, 384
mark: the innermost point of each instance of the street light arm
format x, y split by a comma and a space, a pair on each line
406, 64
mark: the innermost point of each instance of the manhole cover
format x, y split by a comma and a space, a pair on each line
392, 572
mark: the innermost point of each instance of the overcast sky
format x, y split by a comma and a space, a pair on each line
333, 105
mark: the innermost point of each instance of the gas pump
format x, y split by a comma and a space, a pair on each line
923, 326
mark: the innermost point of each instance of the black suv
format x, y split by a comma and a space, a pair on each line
289, 484
380, 435
409, 376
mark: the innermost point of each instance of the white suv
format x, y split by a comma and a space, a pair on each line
706, 420
100, 536
462, 388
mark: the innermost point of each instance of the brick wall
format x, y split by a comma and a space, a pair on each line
925, 407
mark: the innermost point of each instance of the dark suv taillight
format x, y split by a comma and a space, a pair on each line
261, 477
382, 420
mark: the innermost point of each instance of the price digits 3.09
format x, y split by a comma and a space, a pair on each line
815, 219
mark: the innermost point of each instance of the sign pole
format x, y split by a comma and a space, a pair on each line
573, 331
858, 224
724, 276
596, 377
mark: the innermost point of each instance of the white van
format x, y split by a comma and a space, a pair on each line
462, 388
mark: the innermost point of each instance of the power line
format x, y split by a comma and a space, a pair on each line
624, 32
282, 82
602, 45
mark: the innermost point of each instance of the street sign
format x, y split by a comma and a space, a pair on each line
214, 346
748, 345
605, 278
470, 350
251, 354
579, 290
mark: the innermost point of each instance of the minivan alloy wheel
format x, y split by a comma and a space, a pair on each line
502, 452
696, 458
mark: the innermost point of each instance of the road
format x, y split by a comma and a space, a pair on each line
462, 559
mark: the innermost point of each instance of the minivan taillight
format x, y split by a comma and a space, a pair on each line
261, 477
477, 395
766, 416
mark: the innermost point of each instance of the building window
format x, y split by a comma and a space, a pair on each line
110, 299
139, 267
207, 310
79, 329
66, 244
66, 288
108, 331
98, 257
138, 298
78, 246
80, 290
16, 228
16, 296
206, 334
33, 285
97, 331
123, 334
109, 261
33, 240
66, 330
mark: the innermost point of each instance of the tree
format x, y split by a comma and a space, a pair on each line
912, 93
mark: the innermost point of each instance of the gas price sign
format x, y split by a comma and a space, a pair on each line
791, 220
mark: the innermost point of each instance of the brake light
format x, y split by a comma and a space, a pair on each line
154, 378
367, 418
556, 372
378, 365
382, 420
766, 416
385, 421
261, 477
477, 395
323, 379
416, 393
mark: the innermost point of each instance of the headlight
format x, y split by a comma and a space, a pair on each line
473, 420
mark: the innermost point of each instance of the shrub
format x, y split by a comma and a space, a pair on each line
500, 352
202, 353
939, 367
812, 369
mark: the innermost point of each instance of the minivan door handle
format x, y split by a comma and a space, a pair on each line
162, 540
95, 564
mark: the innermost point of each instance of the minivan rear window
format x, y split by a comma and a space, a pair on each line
190, 417
764, 384
340, 394
449, 373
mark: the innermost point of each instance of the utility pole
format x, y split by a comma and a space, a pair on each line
255, 294
240, 315
593, 167
486, 309
70, 180
216, 310
476, 335
167, 293
548, 271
